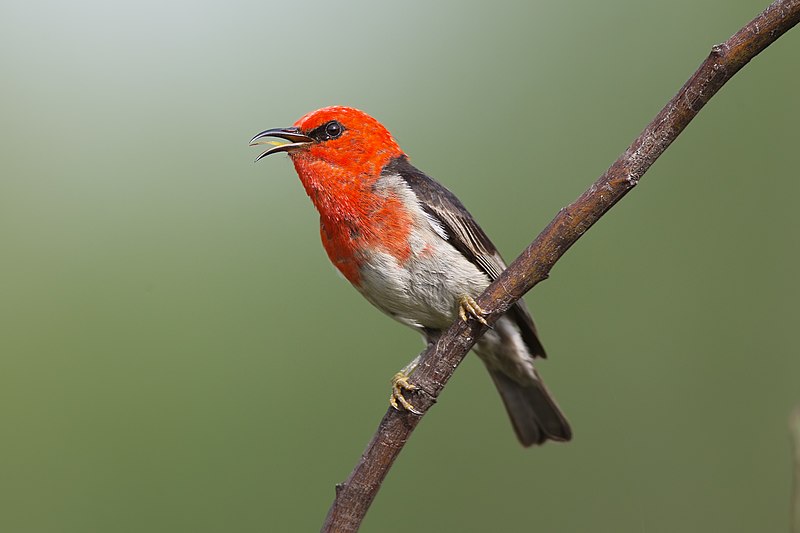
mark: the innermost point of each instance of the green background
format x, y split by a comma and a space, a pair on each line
178, 355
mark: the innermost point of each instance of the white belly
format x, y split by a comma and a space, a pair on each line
425, 290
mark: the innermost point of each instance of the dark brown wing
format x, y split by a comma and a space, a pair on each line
465, 235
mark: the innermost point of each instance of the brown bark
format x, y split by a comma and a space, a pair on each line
439, 361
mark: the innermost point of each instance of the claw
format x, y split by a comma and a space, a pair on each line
468, 305
397, 399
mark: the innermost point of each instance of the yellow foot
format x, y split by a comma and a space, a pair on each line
397, 399
467, 305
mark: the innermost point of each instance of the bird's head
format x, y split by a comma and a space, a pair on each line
333, 140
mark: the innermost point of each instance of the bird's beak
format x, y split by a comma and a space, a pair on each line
293, 135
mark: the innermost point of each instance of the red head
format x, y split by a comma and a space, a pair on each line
334, 147
339, 153
346, 137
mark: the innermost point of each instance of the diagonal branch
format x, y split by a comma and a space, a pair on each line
439, 361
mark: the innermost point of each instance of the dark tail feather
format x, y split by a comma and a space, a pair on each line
532, 410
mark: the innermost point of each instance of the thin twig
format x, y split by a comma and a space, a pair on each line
439, 361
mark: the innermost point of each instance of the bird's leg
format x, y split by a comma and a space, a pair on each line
400, 385
468, 306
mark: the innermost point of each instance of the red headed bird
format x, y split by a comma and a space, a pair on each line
410, 247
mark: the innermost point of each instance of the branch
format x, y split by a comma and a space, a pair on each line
439, 361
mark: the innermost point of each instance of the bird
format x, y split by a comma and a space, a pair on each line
412, 249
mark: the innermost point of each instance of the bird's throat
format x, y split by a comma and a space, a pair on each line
356, 222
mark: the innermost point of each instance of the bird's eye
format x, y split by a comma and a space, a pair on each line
333, 129
326, 132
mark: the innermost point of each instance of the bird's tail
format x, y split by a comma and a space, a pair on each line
533, 411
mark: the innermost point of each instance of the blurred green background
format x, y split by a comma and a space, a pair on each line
178, 355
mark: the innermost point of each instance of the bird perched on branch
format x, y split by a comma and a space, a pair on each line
409, 246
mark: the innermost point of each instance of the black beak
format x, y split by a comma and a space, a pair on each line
293, 135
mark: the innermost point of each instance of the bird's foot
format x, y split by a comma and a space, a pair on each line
468, 306
400, 385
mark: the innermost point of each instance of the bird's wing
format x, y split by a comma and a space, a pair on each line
453, 222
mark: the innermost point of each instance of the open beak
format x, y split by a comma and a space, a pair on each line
293, 135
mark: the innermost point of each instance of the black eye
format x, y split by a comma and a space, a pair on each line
329, 130
333, 129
